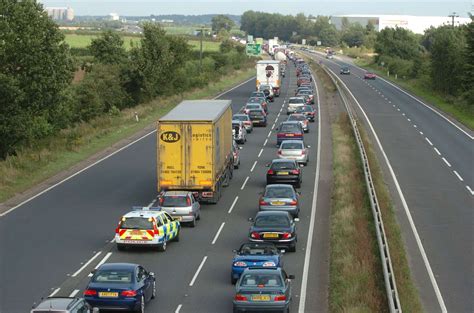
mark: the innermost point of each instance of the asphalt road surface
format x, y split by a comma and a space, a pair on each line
50, 244
432, 159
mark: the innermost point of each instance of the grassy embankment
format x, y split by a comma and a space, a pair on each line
32, 166
356, 279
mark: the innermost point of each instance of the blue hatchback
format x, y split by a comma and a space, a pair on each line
120, 286
254, 255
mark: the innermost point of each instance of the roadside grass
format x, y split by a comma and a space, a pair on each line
82, 41
356, 279
50, 156
407, 292
416, 87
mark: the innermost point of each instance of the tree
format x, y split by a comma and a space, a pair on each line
468, 78
354, 35
220, 22
35, 69
397, 42
108, 48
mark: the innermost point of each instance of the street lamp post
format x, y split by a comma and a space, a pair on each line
452, 16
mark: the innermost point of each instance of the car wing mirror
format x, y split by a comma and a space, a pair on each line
151, 274
95, 310
282, 251
296, 219
93, 271
308, 146
301, 165
250, 219
235, 250
299, 193
240, 147
267, 165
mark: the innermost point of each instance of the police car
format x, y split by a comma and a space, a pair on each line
146, 227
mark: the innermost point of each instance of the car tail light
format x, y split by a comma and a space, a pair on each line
240, 298
117, 230
268, 264
279, 152
296, 172
303, 152
263, 202
240, 264
255, 235
270, 172
293, 202
280, 298
188, 201
156, 231
161, 200
128, 293
90, 292
286, 235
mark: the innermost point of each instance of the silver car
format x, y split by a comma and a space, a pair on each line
246, 120
294, 150
238, 131
293, 103
181, 205
236, 154
280, 197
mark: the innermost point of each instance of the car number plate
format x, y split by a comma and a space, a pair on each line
106, 294
277, 203
290, 135
135, 242
261, 298
177, 218
283, 173
270, 235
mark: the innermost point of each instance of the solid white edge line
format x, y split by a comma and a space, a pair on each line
437, 151
86, 264
260, 153
459, 176
218, 233
304, 280
233, 204
198, 271
74, 293
104, 158
254, 163
446, 161
55, 291
104, 259
245, 182
178, 308
428, 141
405, 206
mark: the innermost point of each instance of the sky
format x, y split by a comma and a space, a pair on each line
315, 7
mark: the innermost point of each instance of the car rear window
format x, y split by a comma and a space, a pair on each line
136, 223
296, 100
108, 276
279, 192
289, 128
176, 201
255, 113
253, 106
240, 117
283, 166
291, 145
272, 221
261, 280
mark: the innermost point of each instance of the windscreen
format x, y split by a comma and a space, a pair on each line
111, 276
136, 223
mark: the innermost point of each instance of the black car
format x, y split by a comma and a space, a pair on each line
345, 70
63, 305
285, 171
258, 117
277, 227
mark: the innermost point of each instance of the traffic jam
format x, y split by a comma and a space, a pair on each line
197, 154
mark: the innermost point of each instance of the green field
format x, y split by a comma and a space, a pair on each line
82, 41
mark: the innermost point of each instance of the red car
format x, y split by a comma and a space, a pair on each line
369, 75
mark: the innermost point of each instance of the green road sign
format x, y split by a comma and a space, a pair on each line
253, 49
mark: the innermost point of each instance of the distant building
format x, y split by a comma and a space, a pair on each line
60, 13
114, 17
417, 24
167, 21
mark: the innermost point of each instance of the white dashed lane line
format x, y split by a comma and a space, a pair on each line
218, 233
245, 182
260, 153
198, 271
415, 126
437, 151
178, 308
273, 126
55, 291
470, 190
74, 293
253, 167
269, 134
104, 259
86, 264
233, 204
421, 133
446, 161
426, 138
458, 176
265, 143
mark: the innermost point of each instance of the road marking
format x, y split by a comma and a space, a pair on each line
74, 293
414, 125
178, 308
273, 126
434, 284
269, 134
104, 158
421, 133
470, 190
426, 138
281, 110
265, 143
218, 233
309, 243
86, 264
233, 204
390, 102
403, 114
261, 150
254, 163
197, 272
104, 259
55, 291
243, 185
398, 110
459, 176
408, 119
437, 151
278, 115
446, 161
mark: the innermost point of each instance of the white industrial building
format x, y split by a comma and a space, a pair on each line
114, 16
417, 24
60, 13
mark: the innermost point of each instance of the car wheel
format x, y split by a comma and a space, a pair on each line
233, 280
199, 216
292, 248
120, 247
162, 247
193, 223
177, 237
141, 309
153, 293
307, 130
298, 185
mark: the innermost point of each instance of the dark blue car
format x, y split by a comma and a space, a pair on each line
254, 255
122, 286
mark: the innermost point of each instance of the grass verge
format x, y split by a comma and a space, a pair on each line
33, 165
356, 279
416, 87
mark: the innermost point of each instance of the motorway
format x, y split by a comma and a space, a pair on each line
429, 160
51, 243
